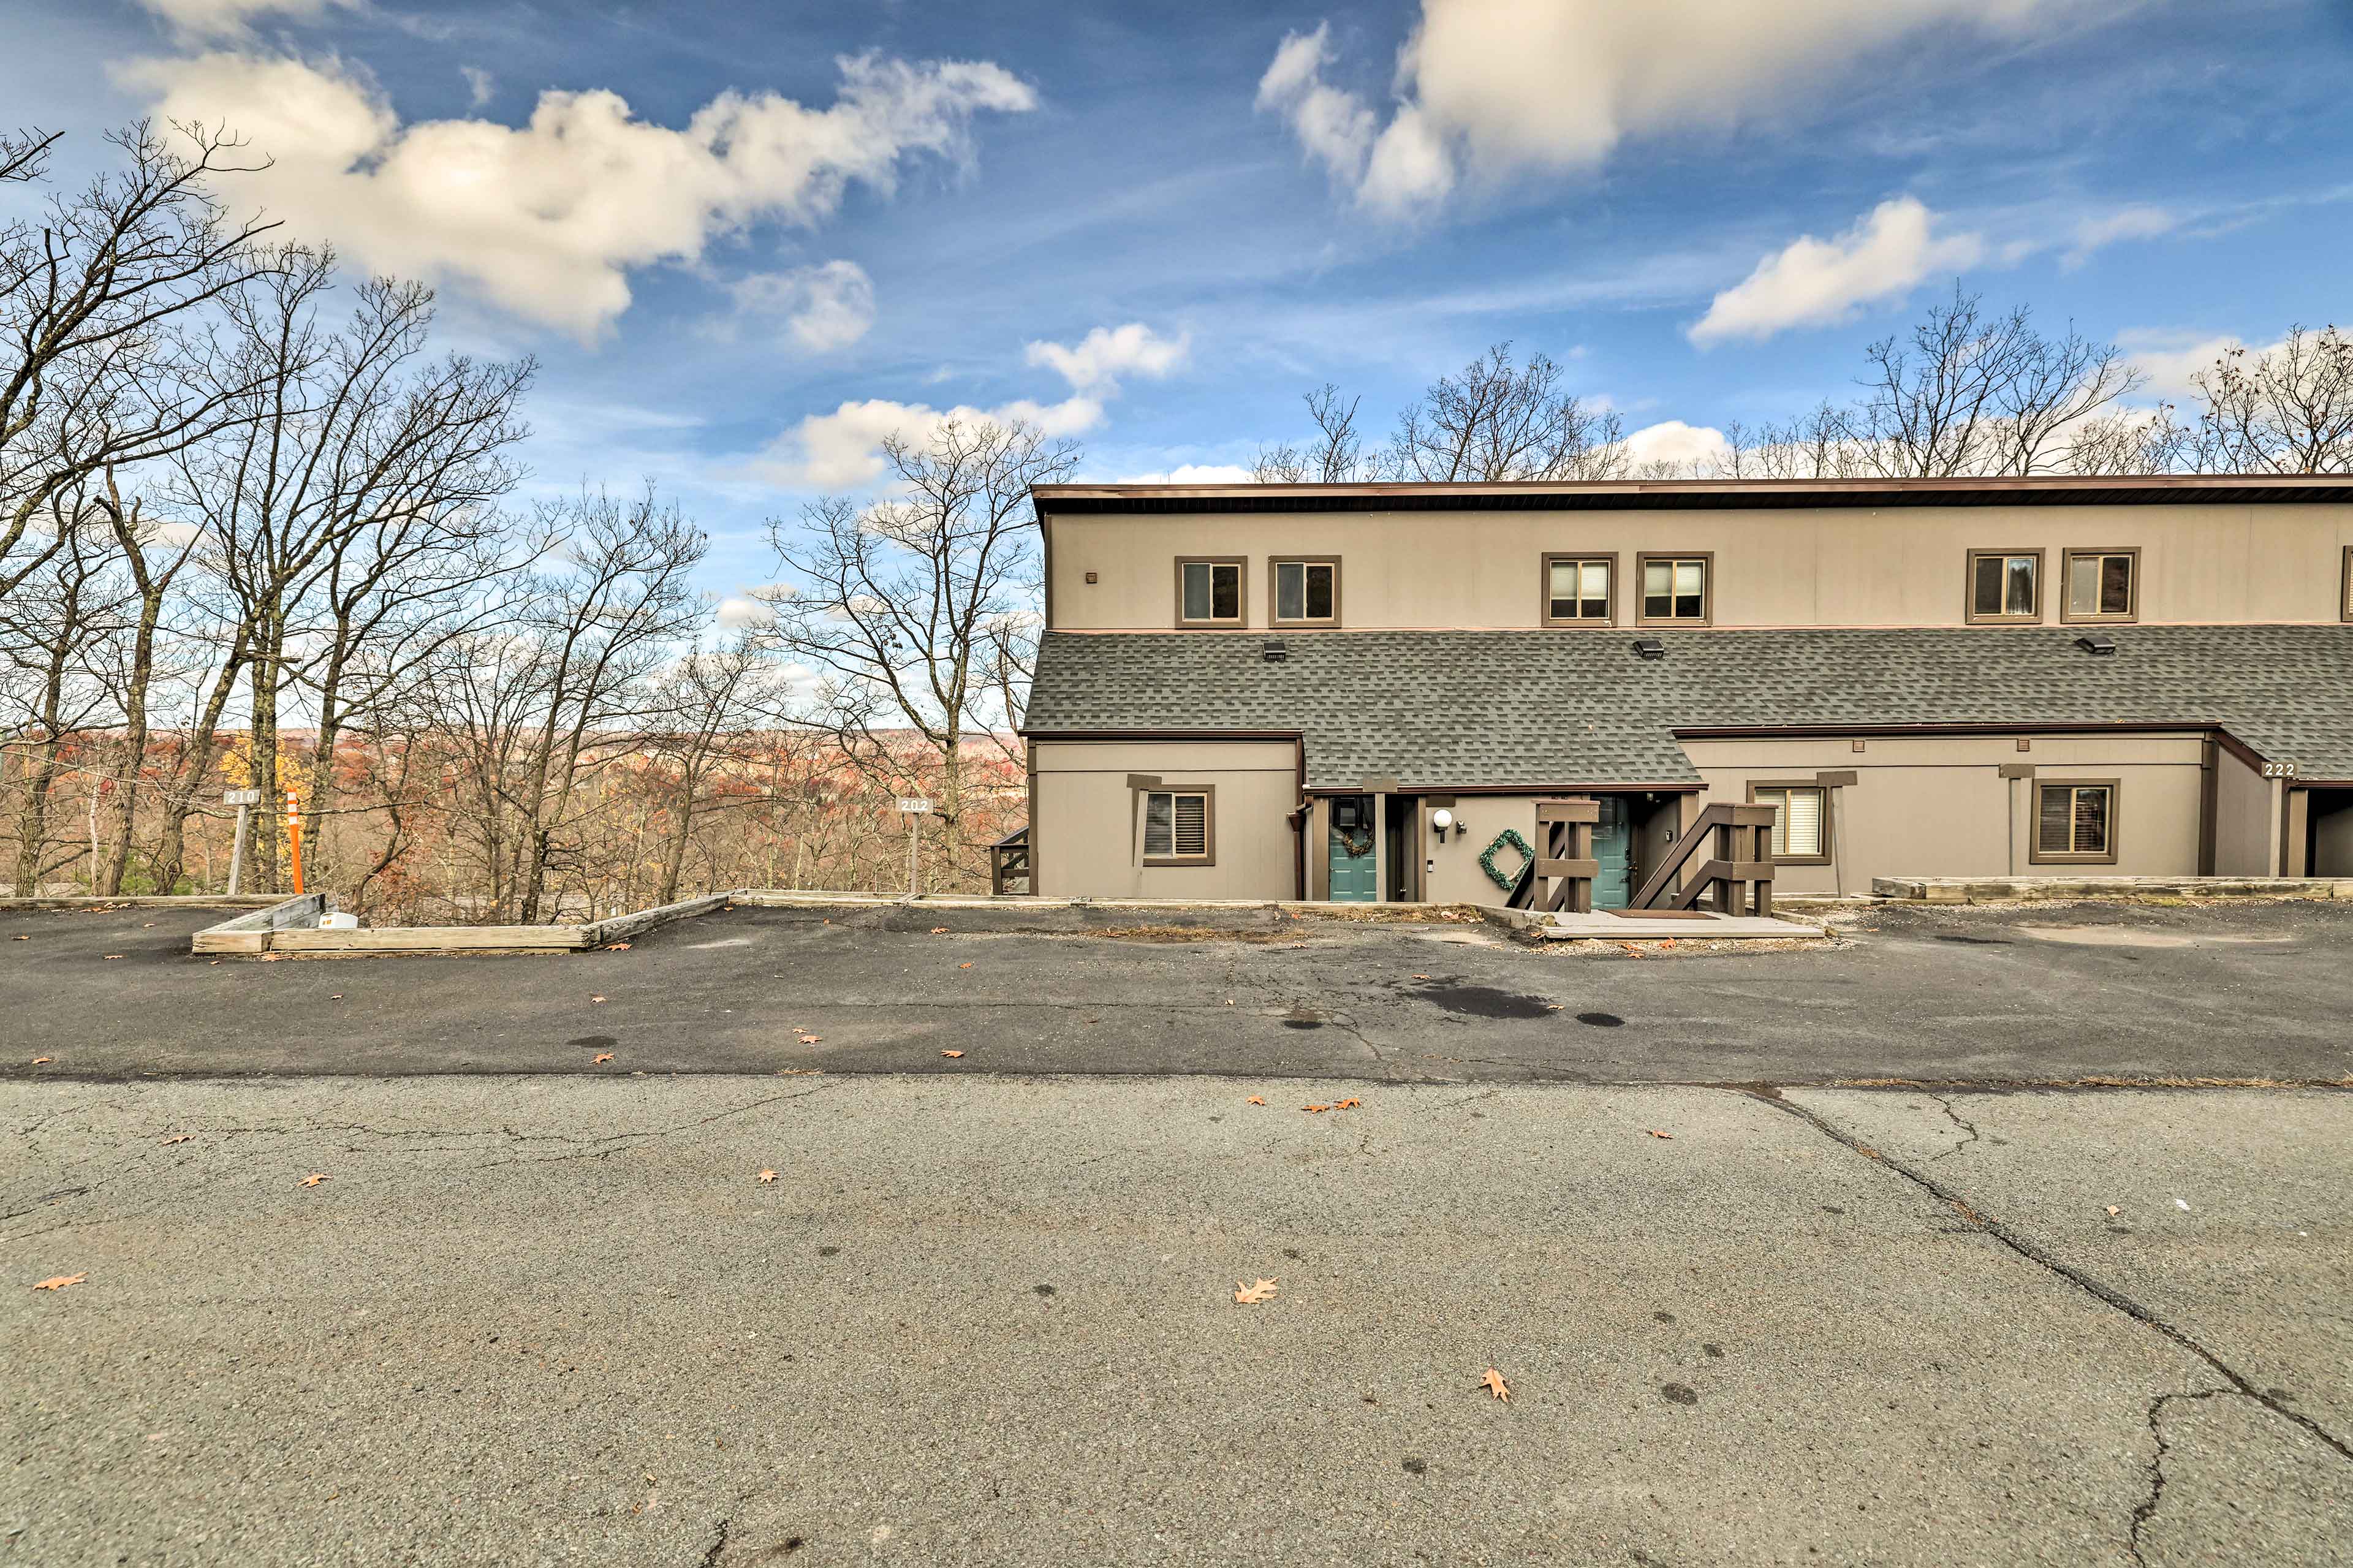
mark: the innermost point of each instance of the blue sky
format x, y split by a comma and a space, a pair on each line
745, 240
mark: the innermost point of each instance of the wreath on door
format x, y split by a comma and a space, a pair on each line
1509, 837
1356, 843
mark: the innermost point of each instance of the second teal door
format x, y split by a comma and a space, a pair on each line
1354, 867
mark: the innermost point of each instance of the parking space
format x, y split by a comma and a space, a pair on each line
2254, 991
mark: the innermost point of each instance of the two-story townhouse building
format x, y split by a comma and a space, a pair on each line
1361, 691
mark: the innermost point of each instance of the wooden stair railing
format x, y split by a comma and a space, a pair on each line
1564, 856
1008, 862
1739, 839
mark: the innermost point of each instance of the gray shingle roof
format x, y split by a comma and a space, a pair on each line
1556, 708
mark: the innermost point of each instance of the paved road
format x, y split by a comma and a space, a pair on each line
990, 1320
2251, 991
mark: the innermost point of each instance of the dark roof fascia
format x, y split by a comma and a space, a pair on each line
1299, 735
1680, 786
1671, 495
2229, 742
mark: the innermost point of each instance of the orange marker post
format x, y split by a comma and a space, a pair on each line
294, 838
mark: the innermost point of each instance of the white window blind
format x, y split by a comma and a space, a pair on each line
2072, 819
1798, 823
1176, 825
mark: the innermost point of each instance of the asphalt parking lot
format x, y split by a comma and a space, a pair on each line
552, 1320
2238, 990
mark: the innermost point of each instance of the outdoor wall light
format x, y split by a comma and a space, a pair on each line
1439, 821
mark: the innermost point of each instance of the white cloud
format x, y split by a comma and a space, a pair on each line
1672, 441
1103, 356
481, 85
843, 450
737, 613
548, 219
825, 306
2171, 358
2125, 223
1488, 89
233, 18
1815, 282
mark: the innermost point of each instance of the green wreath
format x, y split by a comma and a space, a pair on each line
1510, 836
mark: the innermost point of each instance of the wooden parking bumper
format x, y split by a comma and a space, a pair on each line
291, 927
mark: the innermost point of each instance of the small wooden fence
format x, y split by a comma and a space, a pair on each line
1736, 877
1008, 864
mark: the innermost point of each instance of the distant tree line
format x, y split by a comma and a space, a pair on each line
1964, 392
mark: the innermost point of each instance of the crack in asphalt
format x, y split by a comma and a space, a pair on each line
2099, 1290
2146, 1508
1955, 1118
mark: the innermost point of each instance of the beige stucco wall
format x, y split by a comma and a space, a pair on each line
2246, 821
1851, 566
1087, 827
1939, 808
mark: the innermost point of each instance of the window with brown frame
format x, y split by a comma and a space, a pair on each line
2005, 585
1675, 589
1210, 591
1306, 592
2075, 822
1801, 821
1580, 590
1179, 828
2102, 585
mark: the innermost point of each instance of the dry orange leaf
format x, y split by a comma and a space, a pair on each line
951, 1053
1250, 1295
617, 947
596, 998
811, 1039
939, 931
963, 966
60, 1281
1421, 978
314, 1178
1258, 1100
177, 1137
1314, 1108
2113, 1211
1656, 1133
766, 1177
1347, 1104
604, 1056
1494, 1383
24, 939
273, 958
115, 955
38, 1060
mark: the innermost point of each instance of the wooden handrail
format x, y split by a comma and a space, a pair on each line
1008, 862
1741, 838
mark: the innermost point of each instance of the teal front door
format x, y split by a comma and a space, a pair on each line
1355, 869
1613, 843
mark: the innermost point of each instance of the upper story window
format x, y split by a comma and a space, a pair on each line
1675, 588
1577, 590
1306, 592
2103, 584
1209, 592
2005, 585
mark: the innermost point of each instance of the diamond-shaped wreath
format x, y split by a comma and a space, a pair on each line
1510, 838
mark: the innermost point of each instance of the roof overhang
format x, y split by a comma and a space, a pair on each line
1690, 495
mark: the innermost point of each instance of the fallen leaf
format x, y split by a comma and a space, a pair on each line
596, 998
1552, 1007
60, 1281
766, 1177
1314, 1108
617, 947
177, 1137
939, 931
1346, 1104
273, 958
314, 1178
951, 1053
1258, 1100
1421, 978
1494, 1383
811, 1039
113, 956
1631, 949
1656, 1133
963, 966
24, 939
2113, 1211
38, 1060
1250, 1295
604, 1056
336, 997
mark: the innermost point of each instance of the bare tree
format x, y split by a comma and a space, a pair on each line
714, 701
1333, 456
104, 358
1499, 421
55, 632
2286, 411
896, 604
